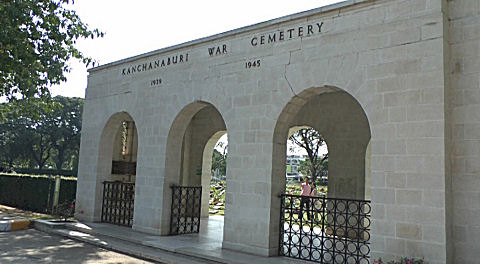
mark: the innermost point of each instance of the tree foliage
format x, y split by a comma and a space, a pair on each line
311, 141
37, 38
305, 167
67, 120
36, 132
219, 159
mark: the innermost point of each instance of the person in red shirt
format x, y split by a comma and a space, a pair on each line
306, 190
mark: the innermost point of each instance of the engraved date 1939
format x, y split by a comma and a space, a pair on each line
156, 82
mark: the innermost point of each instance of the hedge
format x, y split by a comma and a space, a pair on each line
46, 172
31, 192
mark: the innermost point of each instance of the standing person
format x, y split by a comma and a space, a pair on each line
313, 192
306, 190
315, 202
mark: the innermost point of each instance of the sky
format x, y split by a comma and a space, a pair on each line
137, 27
292, 148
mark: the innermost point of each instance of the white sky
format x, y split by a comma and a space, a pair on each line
296, 150
136, 27
300, 151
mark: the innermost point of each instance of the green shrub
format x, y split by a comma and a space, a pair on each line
64, 210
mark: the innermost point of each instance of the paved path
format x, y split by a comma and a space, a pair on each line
33, 246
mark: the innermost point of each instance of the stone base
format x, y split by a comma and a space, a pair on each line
85, 218
266, 252
148, 230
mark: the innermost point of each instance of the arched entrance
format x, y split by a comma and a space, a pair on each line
117, 170
208, 174
190, 146
339, 232
307, 157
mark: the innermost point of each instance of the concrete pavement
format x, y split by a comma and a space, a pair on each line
33, 246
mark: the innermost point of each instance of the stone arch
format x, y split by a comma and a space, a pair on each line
194, 127
109, 152
343, 123
339, 118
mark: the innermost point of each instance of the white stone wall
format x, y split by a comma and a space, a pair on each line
387, 54
464, 100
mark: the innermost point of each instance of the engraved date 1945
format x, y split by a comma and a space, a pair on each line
252, 64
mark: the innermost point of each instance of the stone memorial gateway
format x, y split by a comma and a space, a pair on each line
392, 85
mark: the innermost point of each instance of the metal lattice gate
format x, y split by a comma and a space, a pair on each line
117, 205
186, 205
325, 230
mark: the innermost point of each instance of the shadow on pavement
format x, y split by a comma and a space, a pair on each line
32, 246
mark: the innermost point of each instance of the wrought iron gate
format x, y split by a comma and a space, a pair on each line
117, 205
186, 205
325, 230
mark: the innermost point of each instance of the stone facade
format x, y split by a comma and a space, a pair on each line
464, 121
393, 85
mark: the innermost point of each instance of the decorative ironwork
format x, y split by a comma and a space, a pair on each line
325, 230
117, 205
186, 205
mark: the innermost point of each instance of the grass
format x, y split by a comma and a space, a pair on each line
217, 198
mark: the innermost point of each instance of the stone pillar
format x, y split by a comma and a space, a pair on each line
249, 223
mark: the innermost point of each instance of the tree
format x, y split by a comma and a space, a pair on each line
37, 38
34, 129
219, 159
10, 148
16, 136
67, 120
39, 141
219, 162
305, 167
39, 131
310, 140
